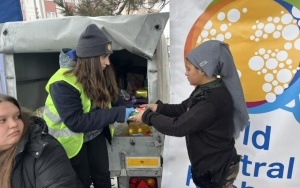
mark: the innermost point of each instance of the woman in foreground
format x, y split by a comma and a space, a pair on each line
29, 156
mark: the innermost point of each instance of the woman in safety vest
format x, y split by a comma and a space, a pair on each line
81, 103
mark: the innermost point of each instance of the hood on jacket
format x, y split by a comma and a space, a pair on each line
66, 61
32, 139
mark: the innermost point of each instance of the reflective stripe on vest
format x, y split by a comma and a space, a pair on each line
57, 132
53, 117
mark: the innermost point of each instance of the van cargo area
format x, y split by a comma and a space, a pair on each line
29, 55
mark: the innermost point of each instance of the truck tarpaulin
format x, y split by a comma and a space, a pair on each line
126, 32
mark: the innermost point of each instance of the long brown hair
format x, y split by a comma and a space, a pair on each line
99, 85
7, 157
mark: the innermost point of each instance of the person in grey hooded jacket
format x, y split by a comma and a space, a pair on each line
29, 156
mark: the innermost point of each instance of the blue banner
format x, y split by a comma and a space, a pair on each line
10, 10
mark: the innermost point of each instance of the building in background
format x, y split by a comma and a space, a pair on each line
32, 9
41, 9
45, 9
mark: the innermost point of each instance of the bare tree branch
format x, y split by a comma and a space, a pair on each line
66, 9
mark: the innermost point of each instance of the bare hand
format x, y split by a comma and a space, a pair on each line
152, 107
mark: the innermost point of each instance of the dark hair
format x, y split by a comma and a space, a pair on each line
7, 156
99, 85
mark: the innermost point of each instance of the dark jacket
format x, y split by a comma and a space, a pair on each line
68, 104
41, 162
206, 121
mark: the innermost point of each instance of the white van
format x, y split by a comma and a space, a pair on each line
29, 55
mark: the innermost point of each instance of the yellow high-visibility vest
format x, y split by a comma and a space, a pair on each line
71, 141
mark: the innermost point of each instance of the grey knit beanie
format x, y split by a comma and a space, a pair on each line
93, 42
